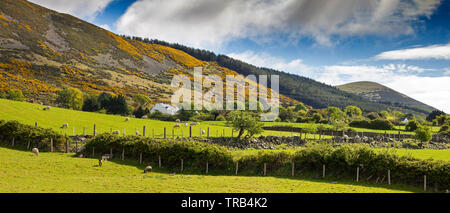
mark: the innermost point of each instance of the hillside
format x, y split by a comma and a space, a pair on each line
306, 90
382, 94
42, 51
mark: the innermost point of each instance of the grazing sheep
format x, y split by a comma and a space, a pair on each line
39, 108
81, 156
173, 174
136, 132
117, 132
195, 123
35, 151
178, 121
185, 124
47, 108
145, 117
203, 131
65, 126
176, 126
148, 168
100, 162
105, 157
127, 119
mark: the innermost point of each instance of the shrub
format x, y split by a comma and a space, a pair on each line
423, 133
412, 125
381, 124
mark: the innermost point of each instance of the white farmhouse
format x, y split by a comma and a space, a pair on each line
165, 108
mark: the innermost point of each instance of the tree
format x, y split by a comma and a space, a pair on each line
244, 122
139, 112
412, 125
334, 113
423, 133
104, 100
15, 95
441, 120
434, 114
71, 98
91, 104
299, 107
287, 114
118, 105
353, 111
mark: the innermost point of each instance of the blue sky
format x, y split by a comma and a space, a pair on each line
403, 44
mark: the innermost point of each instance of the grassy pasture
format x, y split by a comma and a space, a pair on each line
60, 172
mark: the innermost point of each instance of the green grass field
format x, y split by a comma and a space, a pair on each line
59, 172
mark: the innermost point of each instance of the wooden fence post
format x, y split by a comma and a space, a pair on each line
181, 165
389, 177
323, 171
173, 133
424, 183
208, 133
357, 174
143, 131
237, 167
140, 158
159, 161
123, 153
265, 169
292, 169
190, 131
35, 124
207, 167
165, 133
94, 130
51, 144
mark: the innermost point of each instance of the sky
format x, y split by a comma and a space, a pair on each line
402, 44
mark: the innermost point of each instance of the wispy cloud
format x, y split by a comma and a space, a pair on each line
428, 52
80, 8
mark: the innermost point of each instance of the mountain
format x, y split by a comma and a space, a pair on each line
42, 51
379, 93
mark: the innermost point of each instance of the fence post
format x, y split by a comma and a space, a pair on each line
357, 174
51, 144
123, 153
143, 131
389, 177
237, 167
181, 165
265, 169
206, 167
159, 161
35, 124
208, 133
140, 158
425, 183
190, 131
293, 168
323, 171
173, 133
94, 130
165, 133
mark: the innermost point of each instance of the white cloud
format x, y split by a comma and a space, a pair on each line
206, 23
79, 8
428, 52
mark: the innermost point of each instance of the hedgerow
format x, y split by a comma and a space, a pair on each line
37, 136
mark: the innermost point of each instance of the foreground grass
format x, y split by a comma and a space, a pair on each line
59, 172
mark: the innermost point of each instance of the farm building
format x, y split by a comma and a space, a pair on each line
165, 108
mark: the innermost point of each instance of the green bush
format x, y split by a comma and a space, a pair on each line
423, 133
381, 124
37, 136
412, 125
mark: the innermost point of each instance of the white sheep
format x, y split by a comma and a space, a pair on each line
35, 151
127, 119
116, 132
148, 168
65, 126
136, 132
145, 117
185, 124
176, 126
178, 121
195, 123
203, 131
